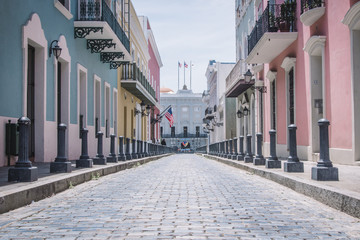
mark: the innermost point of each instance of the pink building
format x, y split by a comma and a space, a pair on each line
308, 59
154, 66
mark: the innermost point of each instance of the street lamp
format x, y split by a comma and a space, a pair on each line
246, 111
239, 114
55, 50
247, 76
148, 108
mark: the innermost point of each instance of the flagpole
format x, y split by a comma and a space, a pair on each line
190, 73
178, 76
184, 73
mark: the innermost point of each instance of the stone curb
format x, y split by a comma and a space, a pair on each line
41, 189
332, 197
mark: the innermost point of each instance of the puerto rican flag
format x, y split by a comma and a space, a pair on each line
170, 117
185, 65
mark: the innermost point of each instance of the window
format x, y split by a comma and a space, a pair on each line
161, 131
291, 97
185, 131
172, 131
97, 103
273, 105
107, 110
184, 109
197, 131
82, 96
64, 7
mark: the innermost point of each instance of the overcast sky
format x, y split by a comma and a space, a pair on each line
190, 30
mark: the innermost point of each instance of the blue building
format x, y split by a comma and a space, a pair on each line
79, 88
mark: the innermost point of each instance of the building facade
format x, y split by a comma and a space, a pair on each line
99, 81
220, 112
79, 88
154, 64
303, 62
187, 108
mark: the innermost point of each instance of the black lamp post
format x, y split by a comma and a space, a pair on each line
56, 50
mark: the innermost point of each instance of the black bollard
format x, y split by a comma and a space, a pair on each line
146, 149
249, 156
112, 156
133, 151
127, 153
230, 149
121, 156
99, 159
85, 160
241, 155
293, 164
61, 164
324, 171
23, 170
259, 158
272, 161
138, 148
234, 156
226, 149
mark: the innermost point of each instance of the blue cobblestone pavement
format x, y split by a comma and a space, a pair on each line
179, 197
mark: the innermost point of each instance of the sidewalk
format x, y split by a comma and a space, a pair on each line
343, 195
17, 194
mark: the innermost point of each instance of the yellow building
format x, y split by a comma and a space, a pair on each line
136, 95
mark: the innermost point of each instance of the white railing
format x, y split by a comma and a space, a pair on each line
236, 74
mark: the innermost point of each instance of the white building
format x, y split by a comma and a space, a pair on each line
220, 111
188, 112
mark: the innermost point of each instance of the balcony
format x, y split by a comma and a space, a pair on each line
98, 24
311, 11
133, 80
273, 33
209, 113
234, 81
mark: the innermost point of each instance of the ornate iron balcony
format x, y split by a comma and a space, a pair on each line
98, 10
276, 17
311, 4
130, 71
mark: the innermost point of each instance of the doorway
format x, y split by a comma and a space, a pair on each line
31, 100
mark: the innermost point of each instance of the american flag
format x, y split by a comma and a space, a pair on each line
169, 116
179, 64
185, 65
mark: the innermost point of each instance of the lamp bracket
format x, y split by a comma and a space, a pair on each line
81, 32
261, 89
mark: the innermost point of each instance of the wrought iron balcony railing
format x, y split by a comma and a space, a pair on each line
306, 5
276, 17
98, 10
130, 71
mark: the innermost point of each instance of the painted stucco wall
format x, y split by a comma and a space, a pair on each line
55, 27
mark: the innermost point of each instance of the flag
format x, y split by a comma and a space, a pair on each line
185, 65
179, 64
170, 116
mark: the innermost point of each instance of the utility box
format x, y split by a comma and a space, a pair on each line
12, 139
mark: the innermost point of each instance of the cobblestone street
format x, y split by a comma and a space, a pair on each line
182, 197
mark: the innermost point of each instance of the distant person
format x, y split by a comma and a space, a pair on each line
163, 142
